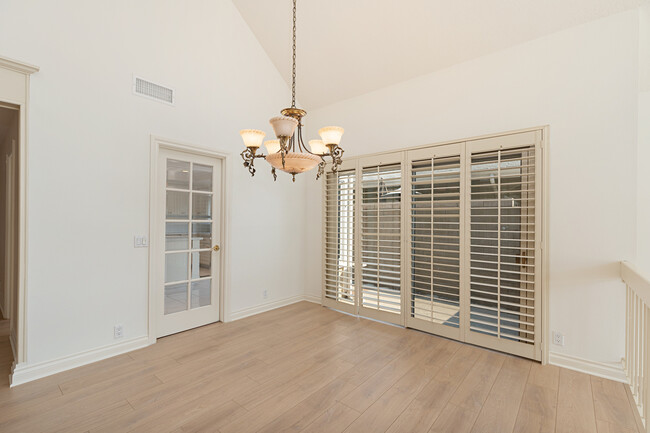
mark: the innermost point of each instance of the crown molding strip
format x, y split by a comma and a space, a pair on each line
15, 65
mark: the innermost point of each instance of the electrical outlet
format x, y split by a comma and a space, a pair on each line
558, 338
265, 294
118, 331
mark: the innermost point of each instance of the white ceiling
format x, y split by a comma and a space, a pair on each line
350, 47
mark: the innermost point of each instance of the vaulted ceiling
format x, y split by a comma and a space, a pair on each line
350, 47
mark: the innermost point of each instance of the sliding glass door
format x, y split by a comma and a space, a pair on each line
445, 239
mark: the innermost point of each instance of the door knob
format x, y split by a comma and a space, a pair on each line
216, 247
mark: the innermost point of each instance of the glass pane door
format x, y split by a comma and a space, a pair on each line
190, 210
188, 236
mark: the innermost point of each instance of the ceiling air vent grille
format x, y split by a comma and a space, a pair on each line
151, 90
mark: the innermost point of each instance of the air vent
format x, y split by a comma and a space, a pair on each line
154, 91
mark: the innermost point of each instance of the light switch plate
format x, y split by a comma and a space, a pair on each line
140, 242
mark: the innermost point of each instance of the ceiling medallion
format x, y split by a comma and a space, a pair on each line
288, 153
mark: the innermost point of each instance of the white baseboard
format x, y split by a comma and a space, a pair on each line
23, 373
246, 312
313, 298
607, 370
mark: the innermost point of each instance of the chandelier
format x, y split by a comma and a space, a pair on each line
288, 152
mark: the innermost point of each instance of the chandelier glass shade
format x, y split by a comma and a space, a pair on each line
288, 152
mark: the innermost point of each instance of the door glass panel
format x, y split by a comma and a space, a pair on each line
202, 178
503, 244
175, 267
201, 235
340, 235
435, 240
175, 298
381, 243
201, 206
201, 293
201, 264
176, 236
178, 205
178, 174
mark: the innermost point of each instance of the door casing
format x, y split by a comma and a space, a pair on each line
14, 90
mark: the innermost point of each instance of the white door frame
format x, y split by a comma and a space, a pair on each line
14, 89
158, 143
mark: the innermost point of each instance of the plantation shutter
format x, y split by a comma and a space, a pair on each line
504, 251
446, 239
435, 249
381, 242
339, 287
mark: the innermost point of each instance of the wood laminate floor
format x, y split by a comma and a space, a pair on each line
304, 368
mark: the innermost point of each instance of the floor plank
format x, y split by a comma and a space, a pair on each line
538, 410
575, 404
499, 412
304, 368
611, 403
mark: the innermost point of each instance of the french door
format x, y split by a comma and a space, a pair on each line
435, 259
380, 190
445, 239
189, 210
503, 243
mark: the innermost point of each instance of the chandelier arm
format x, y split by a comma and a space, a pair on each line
336, 153
301, 143
284, 147
321, 168
249, 155
305, 148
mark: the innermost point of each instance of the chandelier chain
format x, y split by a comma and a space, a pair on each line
293, 72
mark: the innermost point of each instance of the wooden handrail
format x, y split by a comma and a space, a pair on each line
634, 278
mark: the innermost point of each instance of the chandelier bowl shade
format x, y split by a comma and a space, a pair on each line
331, 134
283, 126
252, 137
318, 147
272, 146
294, 162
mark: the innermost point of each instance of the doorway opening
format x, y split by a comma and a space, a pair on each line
9, 235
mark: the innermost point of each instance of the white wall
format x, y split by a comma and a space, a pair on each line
88, 180
583, 83
643, 151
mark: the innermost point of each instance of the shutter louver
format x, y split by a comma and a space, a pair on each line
435, 240
502, 244
381, 238
339, 236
